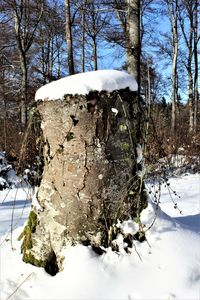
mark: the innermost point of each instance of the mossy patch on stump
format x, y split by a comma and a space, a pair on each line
27, 241
28, 230
50, 264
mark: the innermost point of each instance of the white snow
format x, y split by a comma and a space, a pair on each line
114, 110
178, 160
139, 153
128, 226
167, 267
35, 202
3, 182
83, 83
187, 187
16, 201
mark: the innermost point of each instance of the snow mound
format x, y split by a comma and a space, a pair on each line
83, 83
167, 268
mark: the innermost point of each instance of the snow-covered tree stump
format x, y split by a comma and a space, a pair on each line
90, 178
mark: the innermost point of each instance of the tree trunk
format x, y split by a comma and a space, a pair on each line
83, 36
133, 40
24, 34
95, 54
58, 62
174, 79
90, 178
196, 95
51, 59
94, 37
23, 89
69, 39
5, 111
189, 39
148, 97
149, 85
173, 17
190, 78
190, 98
23, 67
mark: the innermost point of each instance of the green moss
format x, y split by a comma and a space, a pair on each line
125, 146
29, 229
136, 219
60, 150
49, 264
21, 235
27, 241
29, 258
122, 127
69, 136
32, 221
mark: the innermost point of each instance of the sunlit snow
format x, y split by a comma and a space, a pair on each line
167, 266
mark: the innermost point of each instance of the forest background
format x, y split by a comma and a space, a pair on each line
42, 41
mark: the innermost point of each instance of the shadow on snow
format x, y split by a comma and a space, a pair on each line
191, 221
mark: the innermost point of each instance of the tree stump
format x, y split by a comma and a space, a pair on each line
90, 178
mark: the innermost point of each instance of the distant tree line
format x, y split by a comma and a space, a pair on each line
44, 40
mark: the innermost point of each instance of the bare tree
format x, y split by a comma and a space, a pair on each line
128, 13
133, 32
196, 39
83, 10
96, 21
27, 15
6, 72
186, 15
69, 38
172, 7
50, 46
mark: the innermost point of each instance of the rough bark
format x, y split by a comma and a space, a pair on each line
90, 177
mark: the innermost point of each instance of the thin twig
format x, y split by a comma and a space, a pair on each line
12, 219
19, 286
127, 122
137, 252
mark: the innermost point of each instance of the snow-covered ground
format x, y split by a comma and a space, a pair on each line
165, 267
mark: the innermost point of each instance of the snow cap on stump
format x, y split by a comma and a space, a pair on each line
83, 83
